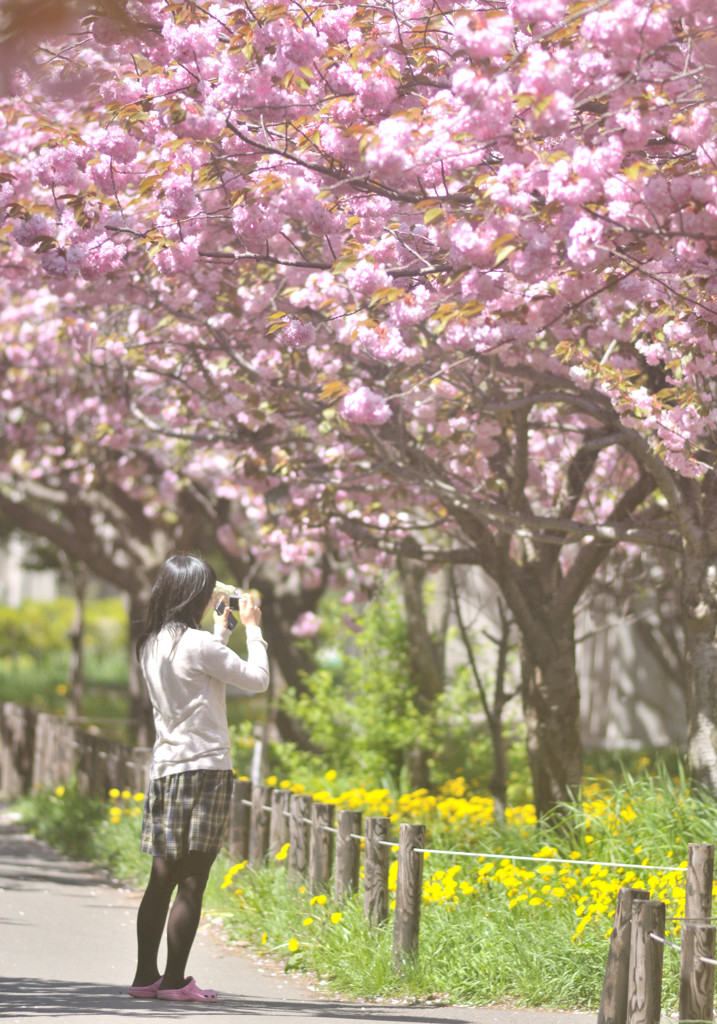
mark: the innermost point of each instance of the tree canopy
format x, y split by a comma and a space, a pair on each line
433, 277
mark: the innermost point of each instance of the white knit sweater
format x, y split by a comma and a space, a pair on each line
188, 694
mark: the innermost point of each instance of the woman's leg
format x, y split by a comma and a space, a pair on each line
151, 918
190, 875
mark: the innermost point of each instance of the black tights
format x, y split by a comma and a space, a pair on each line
188, 876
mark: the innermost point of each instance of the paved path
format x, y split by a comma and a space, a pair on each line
67, 950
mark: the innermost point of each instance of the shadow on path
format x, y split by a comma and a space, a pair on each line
23, 858
33, 997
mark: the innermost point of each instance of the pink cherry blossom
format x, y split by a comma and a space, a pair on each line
307, 625
365, 406
296, 334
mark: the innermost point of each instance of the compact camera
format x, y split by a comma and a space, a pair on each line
220, 606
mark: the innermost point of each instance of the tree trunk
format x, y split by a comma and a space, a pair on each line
77, 642
493, 709
699, 613
288, 658
425, 662
551, 704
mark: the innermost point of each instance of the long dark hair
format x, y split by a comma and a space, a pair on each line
182, 590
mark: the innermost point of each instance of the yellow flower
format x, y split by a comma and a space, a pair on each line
331, 775
307, 921
335, 918
60, 791
393, 875
114, 793
264, 938
61, 690
126, 795
321, 900
228, 878
139, 797
293, 945
283, 852
535, 901
271, 780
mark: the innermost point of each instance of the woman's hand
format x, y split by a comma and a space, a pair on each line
249, 611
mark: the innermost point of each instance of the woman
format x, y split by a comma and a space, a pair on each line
186, 809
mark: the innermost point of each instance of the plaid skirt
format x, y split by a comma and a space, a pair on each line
186, 811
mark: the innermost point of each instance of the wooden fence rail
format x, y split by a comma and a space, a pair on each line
39, 750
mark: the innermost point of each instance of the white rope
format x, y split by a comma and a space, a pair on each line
678, 949
665, 942
549, 860
352, 835
497, 856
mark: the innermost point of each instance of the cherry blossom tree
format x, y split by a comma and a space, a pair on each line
78, 470
437, 274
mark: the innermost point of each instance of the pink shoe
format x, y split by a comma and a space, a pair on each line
191, 993
145, 991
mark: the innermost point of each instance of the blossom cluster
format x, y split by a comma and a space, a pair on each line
368, 275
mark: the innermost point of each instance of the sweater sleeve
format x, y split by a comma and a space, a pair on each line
223, 664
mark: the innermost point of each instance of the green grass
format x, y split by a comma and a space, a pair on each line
503, 938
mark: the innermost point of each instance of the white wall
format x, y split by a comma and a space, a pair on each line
17, 584
627, 699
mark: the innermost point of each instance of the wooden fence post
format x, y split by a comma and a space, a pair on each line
101, 764
375, 871
409, 892
299, 825
348, 853
698, 887
141, 759
17, 748
321, 846
613, 1002
259, 831
697, 979
55, 755
279, 824
240, 820
644, 993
